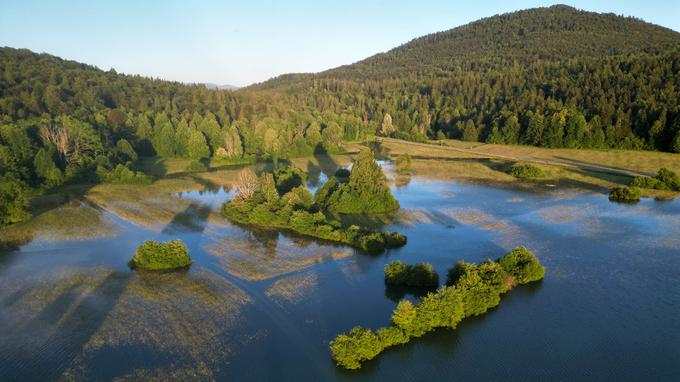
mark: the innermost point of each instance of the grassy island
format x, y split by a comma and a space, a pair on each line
282, 201
155, 256
471, 290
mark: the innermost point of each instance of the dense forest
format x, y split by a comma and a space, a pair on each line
552, 77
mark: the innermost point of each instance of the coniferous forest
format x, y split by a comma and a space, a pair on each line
549, 77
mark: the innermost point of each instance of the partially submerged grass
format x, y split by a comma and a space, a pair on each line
74, 220
260, 255
442, 164
185, 319
292, 288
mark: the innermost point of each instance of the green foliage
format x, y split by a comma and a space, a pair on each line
526, 171
152, 255
523, 265
46, 169
625, 194
297, 211
121, 174
417, 275
471, 290
13, 202
196, 166
125, 150
665, 179
366, 191
669, 178
288, 178
648, 182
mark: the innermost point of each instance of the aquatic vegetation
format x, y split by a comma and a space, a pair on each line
152, 255
526, 171
471, 290
625, 194
416, 275
260, 204
292, 288
403, 163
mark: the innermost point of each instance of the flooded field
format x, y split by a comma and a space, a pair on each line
263, 305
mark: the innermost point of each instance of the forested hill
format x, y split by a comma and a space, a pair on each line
552, 77
557, 33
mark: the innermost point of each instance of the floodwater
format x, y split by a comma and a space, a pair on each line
263, 305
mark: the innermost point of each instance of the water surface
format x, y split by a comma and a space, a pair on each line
263, 305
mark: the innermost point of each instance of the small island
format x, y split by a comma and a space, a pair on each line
155, 256
470, 290
280, 200
398, 273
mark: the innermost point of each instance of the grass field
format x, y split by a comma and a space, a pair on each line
489, 163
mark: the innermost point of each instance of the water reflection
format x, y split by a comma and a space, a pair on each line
263, 304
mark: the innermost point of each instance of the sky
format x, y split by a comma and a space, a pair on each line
239, 43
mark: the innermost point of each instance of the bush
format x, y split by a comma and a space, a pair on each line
526, 171
418, 275
471, 289
258, 202
625, 194
122, 175
13, 202
289, 178
152, 255
196, 166
648, 182
665, 179
669, 178
523, 265
394, 239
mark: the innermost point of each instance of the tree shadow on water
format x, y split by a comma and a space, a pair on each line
192, 219
68, 330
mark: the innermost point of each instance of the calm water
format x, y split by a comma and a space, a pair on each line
260, 305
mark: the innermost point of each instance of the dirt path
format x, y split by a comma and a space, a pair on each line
583, 166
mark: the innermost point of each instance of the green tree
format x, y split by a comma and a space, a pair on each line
13, 202
197, 147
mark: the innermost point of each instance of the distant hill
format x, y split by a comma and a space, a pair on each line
211, 85
581, 79
557, 33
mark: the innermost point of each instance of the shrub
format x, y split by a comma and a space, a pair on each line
394, 239
359, 345
152, 255
669, 178
525, 171
289, 178
418, 275
648, 182
472, 289
625, 194
196, 166
523, 265
13, 202
122, 175
258, 202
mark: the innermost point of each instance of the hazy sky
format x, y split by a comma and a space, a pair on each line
230, 42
